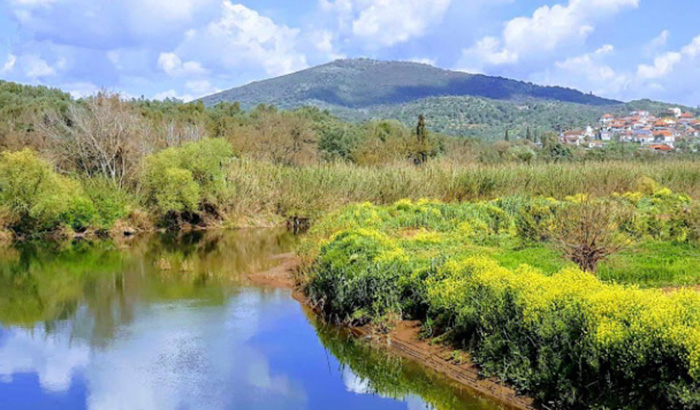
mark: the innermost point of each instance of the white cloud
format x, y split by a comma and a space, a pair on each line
587, 72
487, 51
673, 76
657, 42
9, 64
174, 67
663, 65
54, 357
385, 22
670, 76
547, 30
36, 68
423, 60
106, 24
81, 89
172, 94
692, 50
201, 88
241, 39
324, 42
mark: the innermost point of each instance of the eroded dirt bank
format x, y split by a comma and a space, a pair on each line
404, 340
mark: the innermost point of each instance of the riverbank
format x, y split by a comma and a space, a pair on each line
493, 279
404, 340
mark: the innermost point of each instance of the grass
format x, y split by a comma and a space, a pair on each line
655, 264
270, 192
539, 256
650, 264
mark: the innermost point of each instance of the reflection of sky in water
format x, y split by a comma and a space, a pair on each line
257, 351
358, 385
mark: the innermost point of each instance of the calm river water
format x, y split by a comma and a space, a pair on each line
168, 323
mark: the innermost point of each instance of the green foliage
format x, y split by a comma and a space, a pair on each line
111, 202
181, 179
39, 198
21, 106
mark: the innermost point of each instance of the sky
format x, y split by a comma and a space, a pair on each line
622, 49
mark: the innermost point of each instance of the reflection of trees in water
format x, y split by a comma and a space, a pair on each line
222, 254
369, 370
99, 284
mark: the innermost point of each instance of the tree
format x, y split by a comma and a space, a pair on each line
281, 137
421, 151
382, 142
587, 233
102, 136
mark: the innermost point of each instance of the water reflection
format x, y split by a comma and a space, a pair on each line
165, 323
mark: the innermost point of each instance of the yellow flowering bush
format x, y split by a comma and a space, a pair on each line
568, 339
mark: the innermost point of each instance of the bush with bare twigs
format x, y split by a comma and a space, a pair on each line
587, 232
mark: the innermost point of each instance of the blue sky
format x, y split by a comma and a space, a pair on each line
623, 49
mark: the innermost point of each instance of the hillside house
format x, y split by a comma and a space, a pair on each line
572, 137
687, 118
667, 137
606, 119
661, 147
643, 136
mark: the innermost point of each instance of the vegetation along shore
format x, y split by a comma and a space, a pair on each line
538, 292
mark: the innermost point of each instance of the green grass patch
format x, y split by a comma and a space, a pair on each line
655, 264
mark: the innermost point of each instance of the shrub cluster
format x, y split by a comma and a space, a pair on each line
36, 199
183, 179
568, 339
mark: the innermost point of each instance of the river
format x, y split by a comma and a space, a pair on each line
168, 322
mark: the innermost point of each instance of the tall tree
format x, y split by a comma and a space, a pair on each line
422, 139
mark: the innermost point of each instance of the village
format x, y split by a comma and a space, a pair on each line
673, 130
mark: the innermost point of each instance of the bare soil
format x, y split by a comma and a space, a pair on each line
281, 276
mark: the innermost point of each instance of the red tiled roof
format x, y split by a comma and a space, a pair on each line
660, 147
663, 133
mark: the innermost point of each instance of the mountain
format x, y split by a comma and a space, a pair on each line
363, 83
453, 102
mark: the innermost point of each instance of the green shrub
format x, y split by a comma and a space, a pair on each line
110, 201
38, 197
181, 179
535, 219
357, 277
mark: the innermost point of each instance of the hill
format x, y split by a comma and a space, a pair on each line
454, 102
363, 83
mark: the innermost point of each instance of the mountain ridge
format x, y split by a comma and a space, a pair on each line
365, 83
